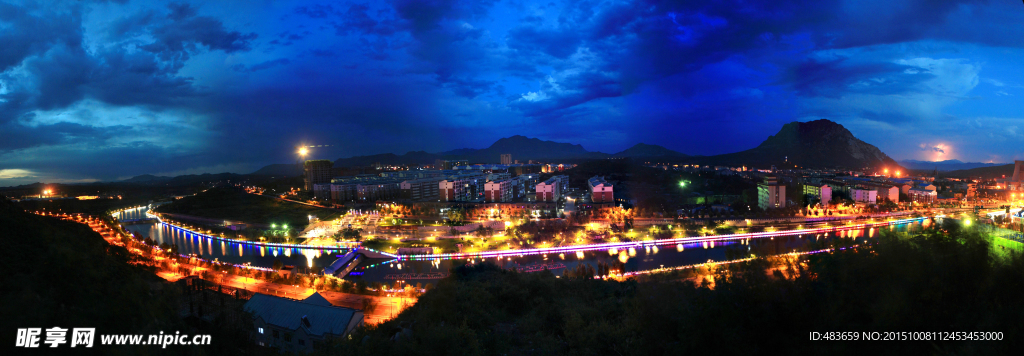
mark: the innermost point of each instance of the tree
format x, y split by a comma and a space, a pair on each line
352, 234
278, 265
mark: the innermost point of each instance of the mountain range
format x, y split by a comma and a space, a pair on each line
947, 165
814, 144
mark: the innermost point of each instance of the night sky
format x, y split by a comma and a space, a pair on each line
111, 89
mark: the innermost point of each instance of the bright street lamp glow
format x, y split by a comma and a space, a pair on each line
303, 151
682, 184
967, 222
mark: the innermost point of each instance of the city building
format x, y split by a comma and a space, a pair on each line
889, 192
499, 191
862, 195
922, 195
822, 192
449, 164
549, 190
420, 189
322, 191
299, 326
452, 190
506, 158
563, 183
317, 171
771, 193
600, 190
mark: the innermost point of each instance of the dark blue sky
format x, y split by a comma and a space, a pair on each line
101, 90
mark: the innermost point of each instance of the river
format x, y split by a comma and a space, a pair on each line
377, 270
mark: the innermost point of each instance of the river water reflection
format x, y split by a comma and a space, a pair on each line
634, 259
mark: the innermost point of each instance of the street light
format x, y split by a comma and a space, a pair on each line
303, 152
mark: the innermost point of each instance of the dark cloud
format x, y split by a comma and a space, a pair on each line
833, 78
20, 136
186, 31
32, 31
411, 75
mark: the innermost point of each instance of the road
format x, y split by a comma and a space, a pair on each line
386, 309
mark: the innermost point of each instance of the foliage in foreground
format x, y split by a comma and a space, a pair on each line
934, 280
62, 274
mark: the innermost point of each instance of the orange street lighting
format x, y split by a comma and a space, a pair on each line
303, 151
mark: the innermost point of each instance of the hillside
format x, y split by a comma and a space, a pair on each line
813, 144
234, 204
64, 274
525, 148
146, 179
643, 150
983, 172
285, 169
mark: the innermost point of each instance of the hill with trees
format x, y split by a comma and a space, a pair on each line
62, 274
230, 203
983, 172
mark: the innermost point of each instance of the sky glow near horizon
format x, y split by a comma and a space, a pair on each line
103, 90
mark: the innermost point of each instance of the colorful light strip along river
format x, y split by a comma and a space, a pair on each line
574, 248
679, 240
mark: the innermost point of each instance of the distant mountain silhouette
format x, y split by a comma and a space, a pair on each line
146, 178
947, 165
183, 180
813, 144
285, 169
645, 150
983, 172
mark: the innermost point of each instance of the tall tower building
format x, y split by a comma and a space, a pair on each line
506, 158
318, 171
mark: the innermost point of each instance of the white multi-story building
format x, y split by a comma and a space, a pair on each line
499, 191
861, 195
771, 193
452, 190
549, 190
600, 190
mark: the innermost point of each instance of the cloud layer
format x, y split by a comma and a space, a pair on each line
105, 90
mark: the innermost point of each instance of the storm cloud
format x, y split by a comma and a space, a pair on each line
107, 90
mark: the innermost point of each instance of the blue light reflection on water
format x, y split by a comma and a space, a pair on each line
189, 243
